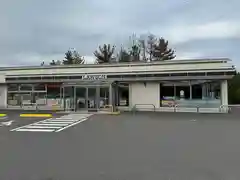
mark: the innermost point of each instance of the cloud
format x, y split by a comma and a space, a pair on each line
212, 30
189, 55
32, 31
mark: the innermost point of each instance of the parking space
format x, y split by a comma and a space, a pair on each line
136, 146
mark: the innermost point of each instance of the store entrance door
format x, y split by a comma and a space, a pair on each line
92, 98
86, 97
80, 98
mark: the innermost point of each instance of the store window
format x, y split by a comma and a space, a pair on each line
13, 87
53, 91
167, 94
183, 92
19, 98
39, 97
167, 91
211, 90
197, 91
123, 95
26, 87
13, 99
40, 87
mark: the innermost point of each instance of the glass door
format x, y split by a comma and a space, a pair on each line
69, 104
104, 97
81, 98
92, 98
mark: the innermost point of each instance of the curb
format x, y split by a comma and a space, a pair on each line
115, 113
3, 115
35, 115
110, 113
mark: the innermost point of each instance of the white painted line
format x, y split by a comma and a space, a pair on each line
64, 118
36, 130
3, 118
193, 120
27, 125
45, 124
71, 125
63, 121
80, 114
51, 124
43, 127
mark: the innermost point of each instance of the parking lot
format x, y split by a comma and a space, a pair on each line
140, 146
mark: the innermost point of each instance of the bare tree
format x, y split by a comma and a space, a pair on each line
143, 46
135, 53
150, 45
124, 56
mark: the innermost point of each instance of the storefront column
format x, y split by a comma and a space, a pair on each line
74, 102
110, 95
190, 87
175, 92
3, 96
204, 91
224, 92
98, 97
116, 89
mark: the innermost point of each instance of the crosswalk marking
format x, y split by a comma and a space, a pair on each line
47, 125
50, 122
63, 120
44, 127
36, 130
71, 125
54, 124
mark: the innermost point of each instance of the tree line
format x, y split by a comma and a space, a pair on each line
234, 90
145, 50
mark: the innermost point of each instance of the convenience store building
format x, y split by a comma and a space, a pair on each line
158, 86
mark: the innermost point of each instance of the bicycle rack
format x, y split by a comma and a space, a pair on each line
196, 106
134, 109
228, 107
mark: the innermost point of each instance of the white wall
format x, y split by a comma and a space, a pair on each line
141, 94
224, 92
2, 78
3, 96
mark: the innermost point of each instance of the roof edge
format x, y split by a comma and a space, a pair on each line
175, 61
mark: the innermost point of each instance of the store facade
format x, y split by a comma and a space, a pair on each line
158, 85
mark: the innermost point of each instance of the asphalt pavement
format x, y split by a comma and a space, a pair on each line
140, 146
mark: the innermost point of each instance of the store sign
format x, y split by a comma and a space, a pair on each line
94, 77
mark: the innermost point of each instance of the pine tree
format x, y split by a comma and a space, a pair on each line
161, 51
72, 57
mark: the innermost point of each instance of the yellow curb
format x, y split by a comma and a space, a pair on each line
114, 113
3, 115
35, 115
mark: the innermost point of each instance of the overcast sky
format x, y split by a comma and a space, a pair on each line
36, 30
